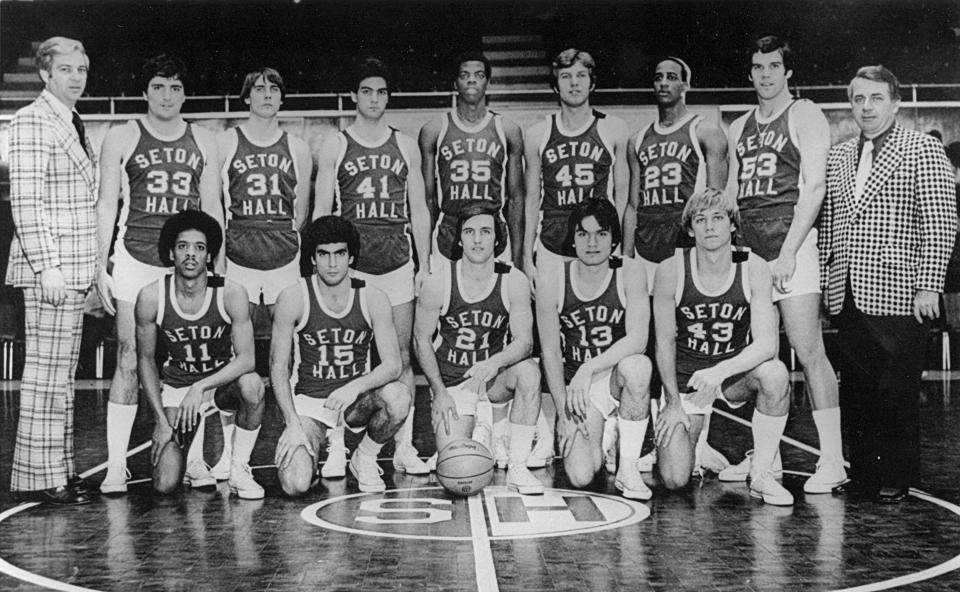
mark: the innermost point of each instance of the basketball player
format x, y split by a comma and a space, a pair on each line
669, 160
593, 314
158, 165
370, 174
717, 338
473, 155
778, 170
265, 175
334, 320
574, 155
472, 303
205, 323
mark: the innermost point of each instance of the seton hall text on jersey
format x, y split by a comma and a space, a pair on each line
594, 313
157, 156
470, 145
574, 148
164, 204
672, 149
194, 332
713, 311
336, 336
262, 159
662, 196
200, 367
760, 140
264, 206
459, 357
370, 162
476, 318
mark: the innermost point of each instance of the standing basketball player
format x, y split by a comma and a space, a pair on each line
669, 160
574, 155
593, 314
370, 174
472, 155
717, 338
333, 320
779, 171
265, 175
472, 303
205, 323
158, 166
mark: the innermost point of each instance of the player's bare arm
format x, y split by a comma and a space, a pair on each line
621, 173
108, 201
210, 199
633, 200
813, 137
516, 203
286, 316
429, 134
146, 318
548, 327
672, 416
419, 213
304, 160
531, 218
733, 177
429, 305
326, 184
713, 144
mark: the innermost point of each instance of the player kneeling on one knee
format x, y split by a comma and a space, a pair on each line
333, 321
717, 338
205, 322
474, 303
592, 314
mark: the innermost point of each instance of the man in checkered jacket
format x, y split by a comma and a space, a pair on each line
887, 229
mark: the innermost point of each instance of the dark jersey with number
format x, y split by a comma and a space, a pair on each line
198, 344
769, 181
160, 178
471, 167
672, 168
590, 325
711, 327
259, 185
471, 331
332, 349
371, 192
574, 166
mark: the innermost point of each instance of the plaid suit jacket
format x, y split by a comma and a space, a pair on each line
53, 194
897, 238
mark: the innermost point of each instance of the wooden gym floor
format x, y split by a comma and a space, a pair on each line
415, 537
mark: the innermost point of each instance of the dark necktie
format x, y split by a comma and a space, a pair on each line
78, 125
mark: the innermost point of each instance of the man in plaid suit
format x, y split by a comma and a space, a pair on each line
53, 258
888, 225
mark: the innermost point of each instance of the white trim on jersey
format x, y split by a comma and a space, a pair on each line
337, 208
792, 129
663, 131
467, 129
487, 290
232, 146
323, 306
447, 288
681, 277
175, 305
700, 183
695, 274
621, 289
505, 286
575, 286
562, 286
638, 139
125, 180
406, 188
364, 310
305, 314
369, 144
161, 300
220, 305
572, 133
745, 275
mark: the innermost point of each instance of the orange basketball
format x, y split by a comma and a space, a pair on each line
464, 467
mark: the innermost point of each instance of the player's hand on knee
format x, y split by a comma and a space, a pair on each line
672, 417
705, 385
341, 398
162, 433
443, 410
578, 393
189, 411
105, 291
567, 429
293, 437
480, 374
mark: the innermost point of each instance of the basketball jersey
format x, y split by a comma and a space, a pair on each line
259, 185
198, 344
769, 182
371, 193
471, 331
471, 165
672, 168
332, 348
160, 178
711, 327
574, 166
588, 326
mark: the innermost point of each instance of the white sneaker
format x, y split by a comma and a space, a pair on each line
115, 480
432, 462
739, 472
242, 483
335, 467
645, 463
830, 473
198, 475
501, 451
221, 470
367, 472
766, 488
522, 480
630, 482
609, 442
709, 458
542, 453
405, 459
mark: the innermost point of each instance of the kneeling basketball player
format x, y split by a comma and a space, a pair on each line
205, 323
333, 320
593, 315
473, 303
717, 338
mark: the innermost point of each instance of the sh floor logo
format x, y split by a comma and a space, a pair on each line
431, 513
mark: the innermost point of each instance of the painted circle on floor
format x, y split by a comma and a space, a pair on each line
431, 513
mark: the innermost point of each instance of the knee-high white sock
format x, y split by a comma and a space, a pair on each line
521, 441
196, 447
404, 435
369, 447
243, 443
767, 430
335, 437
119, 425
705, 432
828, 429
544, 427
631, 438
227, 426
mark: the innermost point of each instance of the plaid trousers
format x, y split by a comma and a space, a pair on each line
43, 456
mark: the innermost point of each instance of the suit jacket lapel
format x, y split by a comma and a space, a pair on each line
74, 148
883, 166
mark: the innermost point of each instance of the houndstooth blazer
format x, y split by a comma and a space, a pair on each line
53, 194
897, 238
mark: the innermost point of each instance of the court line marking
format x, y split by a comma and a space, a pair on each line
484, 568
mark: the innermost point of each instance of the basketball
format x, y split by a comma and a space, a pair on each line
464, 467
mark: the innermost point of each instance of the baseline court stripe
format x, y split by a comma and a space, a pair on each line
482, 554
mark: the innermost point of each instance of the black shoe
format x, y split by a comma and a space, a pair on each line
892, 495
78, 484
62, 496
855, 488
